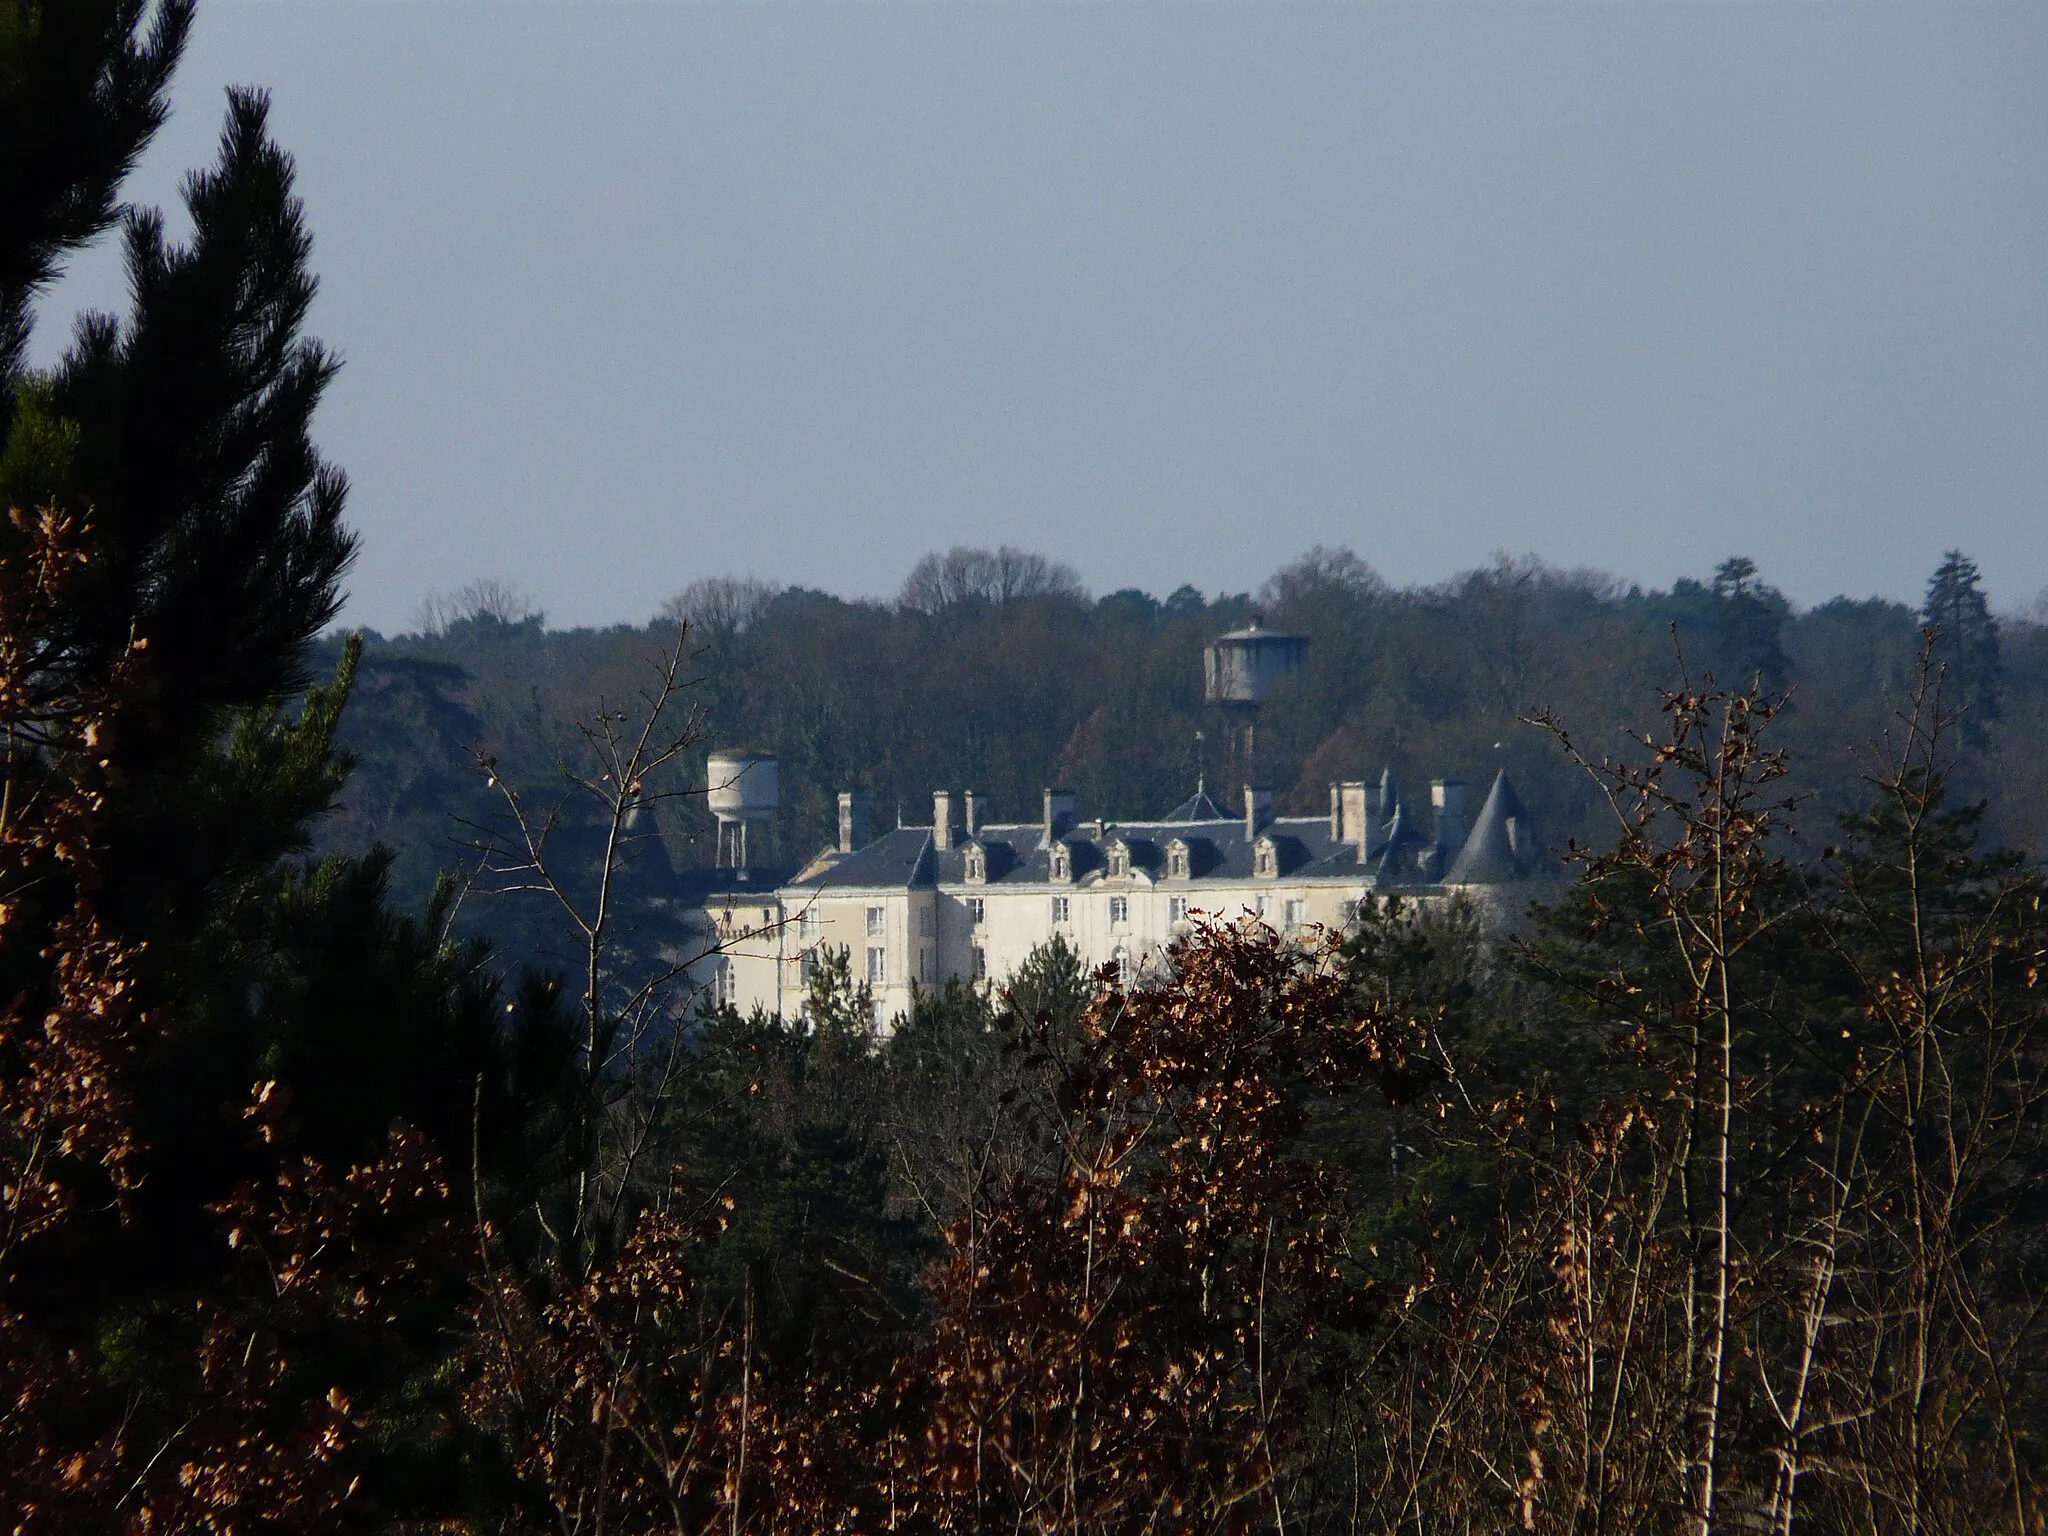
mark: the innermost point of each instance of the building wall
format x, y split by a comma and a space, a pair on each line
762, 956
927, 937
742, 939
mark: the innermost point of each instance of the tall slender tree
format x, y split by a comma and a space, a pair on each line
1965, 642
220, 1262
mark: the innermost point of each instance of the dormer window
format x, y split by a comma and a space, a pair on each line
1062, 864
1265, 859
1176, 860
977, 864
1119, 858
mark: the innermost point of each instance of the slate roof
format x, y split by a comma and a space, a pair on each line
1015, 854
892, 861
1197, 807
705, 887
1489, 856
1396, 861
1218, 853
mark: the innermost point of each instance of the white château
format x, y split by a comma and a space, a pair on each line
964, 898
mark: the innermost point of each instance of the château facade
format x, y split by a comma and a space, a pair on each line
917, 906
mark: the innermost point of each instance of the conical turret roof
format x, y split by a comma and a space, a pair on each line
1490, 855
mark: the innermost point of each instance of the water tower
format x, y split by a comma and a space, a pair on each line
1239, 670
743, 789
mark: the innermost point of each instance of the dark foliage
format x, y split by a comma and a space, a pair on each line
1965, 642
236, 1087
82, 91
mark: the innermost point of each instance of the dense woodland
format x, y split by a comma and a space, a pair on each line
339, 1202
997, 672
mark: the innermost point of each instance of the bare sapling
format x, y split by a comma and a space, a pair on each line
631, 1009
1694, 824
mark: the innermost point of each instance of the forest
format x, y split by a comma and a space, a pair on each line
347, 1190
996, 671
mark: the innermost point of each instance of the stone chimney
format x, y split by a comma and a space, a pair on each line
1354, 807
853, 819
969, 816
942, 819
1447, 799
1059, 813
1258, 810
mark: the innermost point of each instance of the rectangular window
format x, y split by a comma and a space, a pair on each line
875, 920
1264, 905
807, 966
926, 921
980, 962
809, 925
927, 966
977, 909
878, 966
1119, 910
1293, 913
1176, 909
1059, 909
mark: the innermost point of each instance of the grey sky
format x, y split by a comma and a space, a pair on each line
632, 294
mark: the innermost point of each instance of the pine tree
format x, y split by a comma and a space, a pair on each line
1749, 618
82, 91
1964, 640
217, 1255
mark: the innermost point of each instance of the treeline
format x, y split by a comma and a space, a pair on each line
994, 671
1716, 1205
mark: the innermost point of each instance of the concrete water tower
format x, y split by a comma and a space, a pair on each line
1239, 670
743, 789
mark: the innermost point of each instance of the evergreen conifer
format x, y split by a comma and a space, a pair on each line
1965, 642
172, 547
1749, 618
